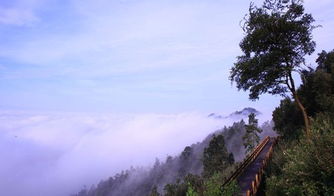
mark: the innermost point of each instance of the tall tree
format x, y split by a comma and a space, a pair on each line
251, 137
317, 90
215, 156
278, 37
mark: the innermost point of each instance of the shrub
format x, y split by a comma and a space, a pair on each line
308, 168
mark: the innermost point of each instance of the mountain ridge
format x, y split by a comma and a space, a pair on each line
239, 114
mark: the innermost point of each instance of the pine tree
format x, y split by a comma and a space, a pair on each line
215, 157
251, 137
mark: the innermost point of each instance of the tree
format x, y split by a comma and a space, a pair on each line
213, 185
326, 61
170, 189
215, 156
154, 191
306, 166
191, 191
251, 137
288, 119
185, 161
316, 94
278, 37
317, 90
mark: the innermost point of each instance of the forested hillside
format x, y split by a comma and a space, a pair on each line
278, 36
304, 165
217, 152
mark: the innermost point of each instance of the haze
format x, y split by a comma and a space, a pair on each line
88, 88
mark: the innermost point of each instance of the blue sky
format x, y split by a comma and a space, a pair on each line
129, 56
104, 73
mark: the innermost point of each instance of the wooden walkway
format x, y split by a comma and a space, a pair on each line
248, 174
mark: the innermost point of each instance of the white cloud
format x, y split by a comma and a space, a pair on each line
117, 38
21, 12
55, 154
12, 16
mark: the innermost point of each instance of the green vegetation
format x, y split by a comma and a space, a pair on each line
199, 170
278, 37
216, 158
251, 138
288, 119
302, 166
212, 186
191, 191
305, 167
231, 189
217, 164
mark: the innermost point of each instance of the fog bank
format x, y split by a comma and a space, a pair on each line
55, 154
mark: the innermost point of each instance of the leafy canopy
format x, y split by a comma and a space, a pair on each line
305, 166
278, 36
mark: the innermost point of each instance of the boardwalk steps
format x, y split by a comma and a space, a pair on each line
249, 173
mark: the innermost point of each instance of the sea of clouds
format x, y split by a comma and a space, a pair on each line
55, 154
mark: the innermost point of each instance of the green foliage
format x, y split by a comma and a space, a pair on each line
170, 189
326, 61
195, 181
308, 168
251, 137
213, 186
316, 94
191, 191
278, 36
288, 119
317, 90
178, 171
215, 156
178, 189
154, 192
279, 159
231, 189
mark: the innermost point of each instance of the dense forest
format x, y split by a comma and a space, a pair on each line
197, 163
304, 165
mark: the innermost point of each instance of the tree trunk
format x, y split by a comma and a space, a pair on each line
305, 116
292, 88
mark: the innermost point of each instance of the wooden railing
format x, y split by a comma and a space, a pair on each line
257, 180
240, 169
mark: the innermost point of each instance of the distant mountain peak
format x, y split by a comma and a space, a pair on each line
245, 112
214, 115
237, 114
